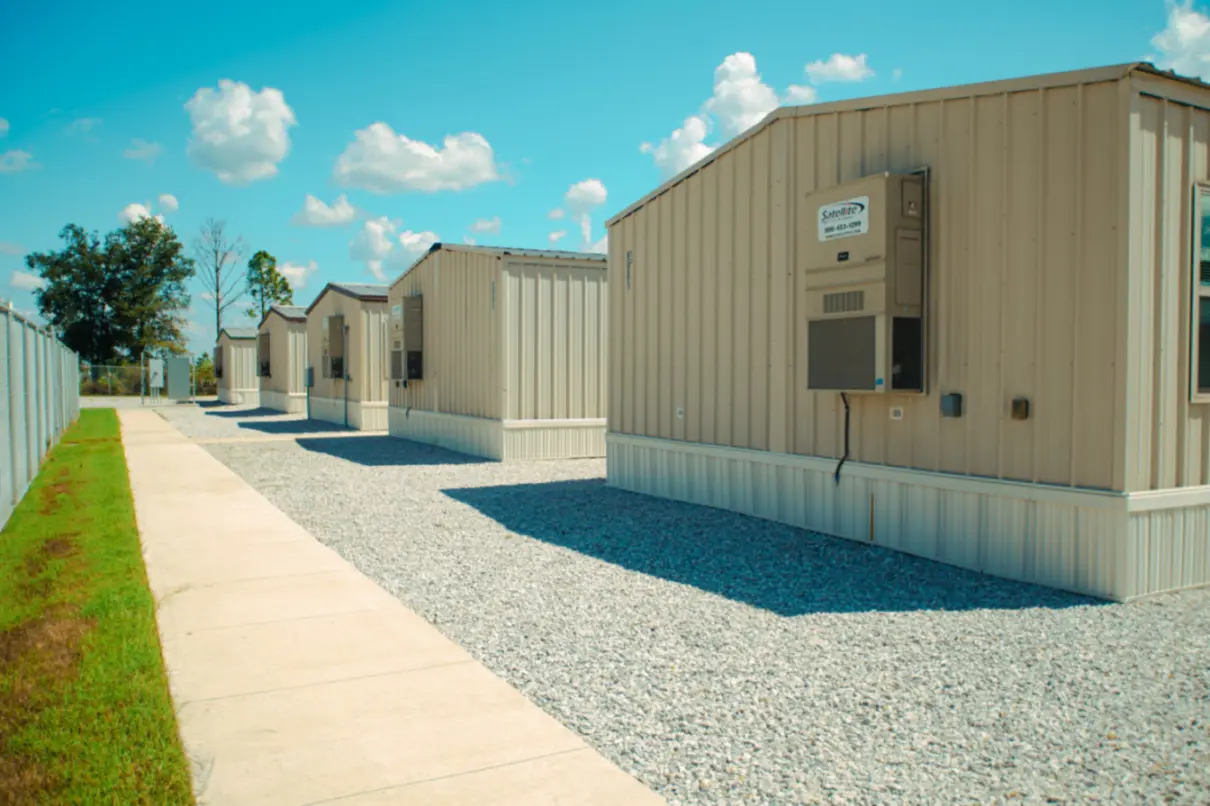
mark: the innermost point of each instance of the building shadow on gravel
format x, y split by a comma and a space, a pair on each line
296, 426
377, 450
772, 566
232, 413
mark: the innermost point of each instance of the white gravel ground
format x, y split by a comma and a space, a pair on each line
723, 659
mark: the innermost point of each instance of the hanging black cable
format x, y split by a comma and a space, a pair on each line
836, 476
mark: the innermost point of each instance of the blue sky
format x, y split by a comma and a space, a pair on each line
412, 121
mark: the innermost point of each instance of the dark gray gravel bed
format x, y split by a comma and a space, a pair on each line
723, 659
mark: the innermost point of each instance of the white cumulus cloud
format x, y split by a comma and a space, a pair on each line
897, 74
238, 134
601, 246
582, 199
143, 150
3, 127
411, 246
168, 203
469, 241
372, 244
297, 273
83, 125
1184, 45
682, 148
379, 247
491, 225
556, 214
381, 161
740, 99
839, 67
136, 212
800, 94
12, 162
10, 248
317, 214
554, 237
25, 281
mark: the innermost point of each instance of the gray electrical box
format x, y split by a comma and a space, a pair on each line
310, 379
864, 283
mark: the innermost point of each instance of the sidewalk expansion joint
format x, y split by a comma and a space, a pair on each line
202, 700
410, 784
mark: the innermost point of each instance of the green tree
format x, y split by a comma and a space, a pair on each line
203, 375
118, 299
266, 285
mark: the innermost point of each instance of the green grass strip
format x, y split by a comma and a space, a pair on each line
85, 712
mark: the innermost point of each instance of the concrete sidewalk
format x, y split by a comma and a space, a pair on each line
299, 681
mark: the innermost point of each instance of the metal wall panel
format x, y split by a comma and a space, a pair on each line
1169, 436
39, 398
287, 355
508, 337
1025, 267
555, 366
239, 365
462, 334
366, 321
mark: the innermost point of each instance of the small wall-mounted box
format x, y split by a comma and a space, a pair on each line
1019, 409
951, 405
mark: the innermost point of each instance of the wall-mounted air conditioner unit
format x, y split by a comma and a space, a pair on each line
407, 339
865, 281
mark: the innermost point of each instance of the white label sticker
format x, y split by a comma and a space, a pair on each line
844, 218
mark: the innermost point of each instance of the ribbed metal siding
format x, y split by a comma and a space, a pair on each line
287, 355
366, 321
556, 335
1025, 267
370, 329
239, 364
1168, 436
461, 335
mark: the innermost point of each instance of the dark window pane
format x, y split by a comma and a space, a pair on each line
1203, 345
1204, 258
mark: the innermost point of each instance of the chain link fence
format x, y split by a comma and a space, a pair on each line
39, 398
97, 379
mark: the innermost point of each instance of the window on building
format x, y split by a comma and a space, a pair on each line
1201, 298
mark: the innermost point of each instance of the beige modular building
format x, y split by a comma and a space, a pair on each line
991, 301
346, 346
281, 357
501, 353
235, 366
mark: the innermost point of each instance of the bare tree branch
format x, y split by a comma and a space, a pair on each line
217, 255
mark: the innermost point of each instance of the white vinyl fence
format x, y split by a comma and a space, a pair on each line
39, 398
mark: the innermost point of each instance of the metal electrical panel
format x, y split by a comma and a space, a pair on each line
407, 339
864, 282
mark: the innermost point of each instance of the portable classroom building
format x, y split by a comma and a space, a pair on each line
500, 352
346, 344
281, 357
235, 366
1045, 234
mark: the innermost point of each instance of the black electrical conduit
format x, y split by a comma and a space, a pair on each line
836, 476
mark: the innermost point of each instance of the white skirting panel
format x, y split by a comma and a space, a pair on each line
476, 436
283, 401
362, 416
1168, 540
239, 397
554, 439
368, 416
1077, 540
